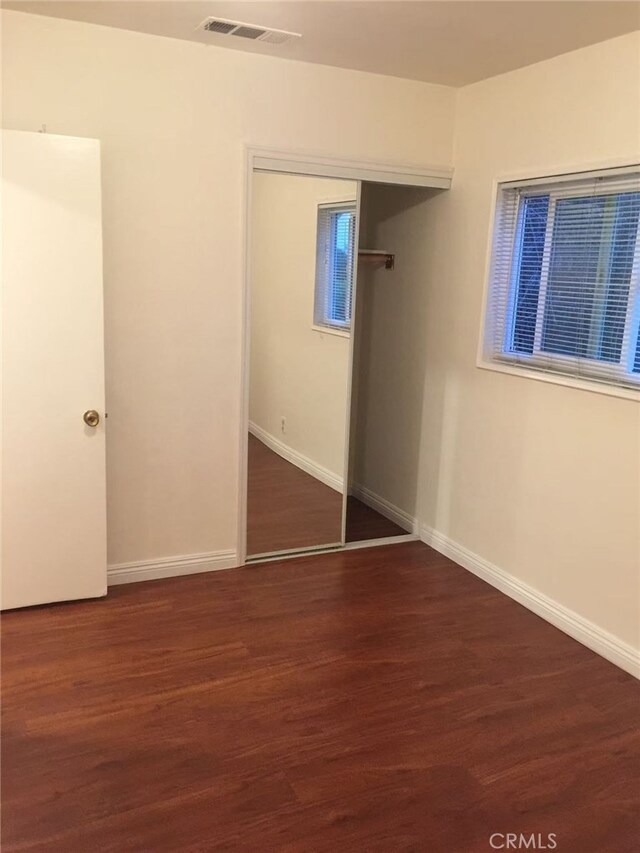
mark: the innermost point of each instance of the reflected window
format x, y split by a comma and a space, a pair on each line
334, 265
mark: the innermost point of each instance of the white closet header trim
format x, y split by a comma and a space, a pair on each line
265, 160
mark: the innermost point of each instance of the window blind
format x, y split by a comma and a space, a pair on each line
564, 293
334, 265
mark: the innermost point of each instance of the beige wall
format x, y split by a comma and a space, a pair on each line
173, 118
541, 480
297, 372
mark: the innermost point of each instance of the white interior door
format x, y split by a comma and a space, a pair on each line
53, 461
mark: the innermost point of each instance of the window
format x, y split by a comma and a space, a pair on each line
564, 291
334, 265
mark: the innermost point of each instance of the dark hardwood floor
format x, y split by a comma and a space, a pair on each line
365, 523
374, 700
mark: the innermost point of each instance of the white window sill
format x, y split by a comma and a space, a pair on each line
560, 379
332, 330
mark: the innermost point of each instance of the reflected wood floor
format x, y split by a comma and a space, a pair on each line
374, 700
288, 509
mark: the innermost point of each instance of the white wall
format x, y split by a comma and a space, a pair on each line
173, 118
297, 372
541, 480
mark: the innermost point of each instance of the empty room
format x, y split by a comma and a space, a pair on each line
320, 484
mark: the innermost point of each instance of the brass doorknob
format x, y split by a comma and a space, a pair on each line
91, 418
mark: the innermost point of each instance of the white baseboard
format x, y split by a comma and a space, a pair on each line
595, 638
301, 461
169, 567
393, 513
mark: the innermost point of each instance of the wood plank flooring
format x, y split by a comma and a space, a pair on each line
364, 523
374, 700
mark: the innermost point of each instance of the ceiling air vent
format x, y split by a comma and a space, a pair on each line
223, 27
218, 26
247, 33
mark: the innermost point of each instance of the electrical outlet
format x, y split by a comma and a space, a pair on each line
283, 424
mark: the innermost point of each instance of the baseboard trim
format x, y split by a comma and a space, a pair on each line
595, 638
298, 459
384, 507
169, 567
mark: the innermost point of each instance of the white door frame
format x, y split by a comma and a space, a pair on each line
296, 163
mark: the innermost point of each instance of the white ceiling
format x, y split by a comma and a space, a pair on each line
454, 42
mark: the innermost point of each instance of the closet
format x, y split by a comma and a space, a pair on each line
338, 274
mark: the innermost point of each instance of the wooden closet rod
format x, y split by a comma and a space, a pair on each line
376, 257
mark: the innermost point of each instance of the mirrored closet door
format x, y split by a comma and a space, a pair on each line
338, 354
303, 253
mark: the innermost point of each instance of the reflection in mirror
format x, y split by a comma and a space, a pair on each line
301, 266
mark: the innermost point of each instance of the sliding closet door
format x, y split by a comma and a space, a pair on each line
352, 390
303, 260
